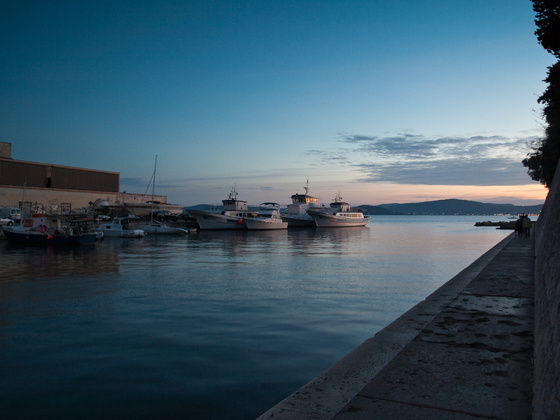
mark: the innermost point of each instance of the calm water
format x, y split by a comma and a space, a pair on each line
212, 325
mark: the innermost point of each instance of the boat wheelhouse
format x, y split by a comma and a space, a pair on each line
296, 213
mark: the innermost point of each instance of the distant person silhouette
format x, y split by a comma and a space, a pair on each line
519, 226
527, 226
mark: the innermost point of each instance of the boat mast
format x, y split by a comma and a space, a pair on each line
22, 205
153, 192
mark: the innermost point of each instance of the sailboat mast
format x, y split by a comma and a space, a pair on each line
153, 191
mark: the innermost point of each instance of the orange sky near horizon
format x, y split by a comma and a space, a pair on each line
527, 194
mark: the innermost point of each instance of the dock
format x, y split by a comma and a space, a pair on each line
465, 352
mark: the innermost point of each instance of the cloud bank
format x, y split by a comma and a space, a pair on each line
417, 159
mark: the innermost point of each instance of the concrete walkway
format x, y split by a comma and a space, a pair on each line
463, 353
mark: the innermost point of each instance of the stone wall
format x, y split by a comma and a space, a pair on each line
546, 399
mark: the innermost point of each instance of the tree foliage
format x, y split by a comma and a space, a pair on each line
542, 161
547, 18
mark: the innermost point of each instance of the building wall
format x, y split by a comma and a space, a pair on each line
53, 198
52, 187
16, 173
546, 395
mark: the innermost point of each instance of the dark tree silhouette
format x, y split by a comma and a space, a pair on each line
542, 161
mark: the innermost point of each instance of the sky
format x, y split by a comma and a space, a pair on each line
382, 101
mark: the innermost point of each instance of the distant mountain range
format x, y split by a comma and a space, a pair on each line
450, 207
439, 207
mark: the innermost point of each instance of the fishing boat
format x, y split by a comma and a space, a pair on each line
155, 227
121, 227
158, 228
41, 229
338, 215
267, 218
296, 213
232, 217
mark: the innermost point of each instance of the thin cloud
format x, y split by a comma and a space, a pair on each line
417, 159
339, 156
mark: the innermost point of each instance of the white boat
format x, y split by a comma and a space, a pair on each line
158, 228
338, 215
155, 227
232, 217
296, 213
267, 218
121, 227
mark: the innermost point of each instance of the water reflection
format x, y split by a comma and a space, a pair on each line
327, 241
32, 262
310, 242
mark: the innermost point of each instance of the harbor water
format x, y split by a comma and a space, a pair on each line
210, 325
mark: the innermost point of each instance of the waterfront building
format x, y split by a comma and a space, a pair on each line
64, 189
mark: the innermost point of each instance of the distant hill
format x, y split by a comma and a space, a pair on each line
377, 210
452, 207
439, 207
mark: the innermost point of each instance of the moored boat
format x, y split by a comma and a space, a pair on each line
232, 217
121, 227
338, 215
44, 229
296, 213
267, 218
155, 227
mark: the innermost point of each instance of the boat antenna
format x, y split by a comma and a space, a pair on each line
307, 187
338, 197
233, 193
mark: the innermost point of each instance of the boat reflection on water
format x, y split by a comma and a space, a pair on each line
107, 257
281, 241
33, 263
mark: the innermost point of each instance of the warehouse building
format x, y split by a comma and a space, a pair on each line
61, 189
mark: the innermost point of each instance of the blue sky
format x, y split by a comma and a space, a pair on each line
382, 101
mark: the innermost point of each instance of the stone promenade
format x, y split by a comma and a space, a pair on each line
465, 352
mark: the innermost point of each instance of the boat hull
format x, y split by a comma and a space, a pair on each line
216, 221
162, 230
14, 235
134, 233
121, 227
267, 224
299, 221
326, 220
